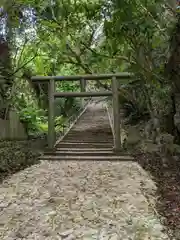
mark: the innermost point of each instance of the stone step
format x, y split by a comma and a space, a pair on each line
90, 138
89, 141
89, 132
92, 135
82, 153
86, 158
77, 144
84, 149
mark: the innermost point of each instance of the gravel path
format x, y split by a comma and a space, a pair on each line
79, 200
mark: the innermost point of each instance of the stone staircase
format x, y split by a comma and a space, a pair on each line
90, 139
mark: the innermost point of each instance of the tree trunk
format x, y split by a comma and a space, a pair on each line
5, 66
173, 71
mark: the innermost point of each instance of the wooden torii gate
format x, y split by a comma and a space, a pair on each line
52, 94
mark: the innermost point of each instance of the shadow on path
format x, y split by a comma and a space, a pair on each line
167, 178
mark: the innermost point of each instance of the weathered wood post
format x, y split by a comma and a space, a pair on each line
51, 126
83, 85
116, 114
83, 88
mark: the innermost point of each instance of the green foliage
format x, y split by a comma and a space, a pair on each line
140, 30
74, 37
42, 127
59, 120
32, 118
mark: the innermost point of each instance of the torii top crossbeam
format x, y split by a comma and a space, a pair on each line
123, 75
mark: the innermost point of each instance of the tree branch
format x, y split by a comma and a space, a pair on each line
106, 56
23, 47
21, 67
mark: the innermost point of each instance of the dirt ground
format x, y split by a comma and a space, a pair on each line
79, 200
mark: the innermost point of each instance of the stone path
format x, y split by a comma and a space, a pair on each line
80, 199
